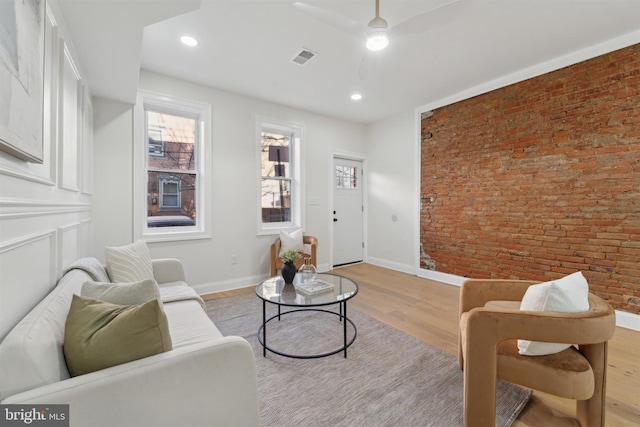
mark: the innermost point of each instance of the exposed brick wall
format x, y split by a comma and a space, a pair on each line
540, 179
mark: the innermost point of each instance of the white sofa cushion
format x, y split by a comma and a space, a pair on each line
31, 354
129, 263
123, 293
189, 324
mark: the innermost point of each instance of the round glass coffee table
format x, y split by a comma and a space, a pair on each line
339, 290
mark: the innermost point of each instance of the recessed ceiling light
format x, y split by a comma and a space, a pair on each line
356, 97
189, 41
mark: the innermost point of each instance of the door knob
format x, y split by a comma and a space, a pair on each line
335, 219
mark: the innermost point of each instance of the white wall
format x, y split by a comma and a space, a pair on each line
113, 174
45, 209
208, 262
393, 193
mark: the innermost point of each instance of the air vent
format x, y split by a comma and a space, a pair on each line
303, 57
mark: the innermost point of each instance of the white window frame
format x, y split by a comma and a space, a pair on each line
203, 167
295, 171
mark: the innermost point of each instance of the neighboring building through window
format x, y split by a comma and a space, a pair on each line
280, 203
172, 172
174, 149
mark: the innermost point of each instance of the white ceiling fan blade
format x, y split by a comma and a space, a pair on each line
368, 64
333, 19
430, 19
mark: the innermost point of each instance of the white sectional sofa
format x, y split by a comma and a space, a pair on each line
204, 380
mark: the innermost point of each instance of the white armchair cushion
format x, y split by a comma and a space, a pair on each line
569, 294
129, 263
291, 241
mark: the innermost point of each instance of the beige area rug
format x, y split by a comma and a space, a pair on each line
388, 378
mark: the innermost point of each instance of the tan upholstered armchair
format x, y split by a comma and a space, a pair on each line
487, 349
311, 247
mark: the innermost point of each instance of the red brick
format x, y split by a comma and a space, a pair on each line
540, 179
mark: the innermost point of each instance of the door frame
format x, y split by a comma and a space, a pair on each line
333, 154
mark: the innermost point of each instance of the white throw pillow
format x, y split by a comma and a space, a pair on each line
123, 293
291, 241
130, 263
569, 294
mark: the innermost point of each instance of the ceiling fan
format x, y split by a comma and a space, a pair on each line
377, 32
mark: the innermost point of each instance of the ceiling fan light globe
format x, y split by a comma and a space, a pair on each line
377, 40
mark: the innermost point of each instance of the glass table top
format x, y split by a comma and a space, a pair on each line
275, 291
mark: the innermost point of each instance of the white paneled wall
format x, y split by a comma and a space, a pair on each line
45, 209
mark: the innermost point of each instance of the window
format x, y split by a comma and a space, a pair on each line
169, 195
156, 148
279, 154
346, 177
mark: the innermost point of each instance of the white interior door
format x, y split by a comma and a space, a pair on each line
348, 213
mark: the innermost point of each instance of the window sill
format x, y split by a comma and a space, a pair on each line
174, 234
275, 230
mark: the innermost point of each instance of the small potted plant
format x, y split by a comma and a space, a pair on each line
288, 270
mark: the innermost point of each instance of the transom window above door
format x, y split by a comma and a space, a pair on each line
346, 177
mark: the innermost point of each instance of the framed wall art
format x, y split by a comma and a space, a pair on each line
22, 78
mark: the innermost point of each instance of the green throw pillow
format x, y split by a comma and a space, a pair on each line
99, 334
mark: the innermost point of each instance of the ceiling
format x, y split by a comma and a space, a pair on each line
246, 46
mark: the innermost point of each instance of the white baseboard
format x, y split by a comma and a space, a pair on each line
227, 285
450, 279
238, 283
323, 268
628, 320
405, 268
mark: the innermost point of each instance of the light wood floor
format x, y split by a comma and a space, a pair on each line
428, 310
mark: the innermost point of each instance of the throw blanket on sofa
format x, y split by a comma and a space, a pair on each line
91, 266
179, 293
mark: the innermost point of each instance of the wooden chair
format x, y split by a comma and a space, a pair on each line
311, 244
487, 349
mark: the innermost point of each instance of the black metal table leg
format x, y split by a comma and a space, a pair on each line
344, 325
264, 328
